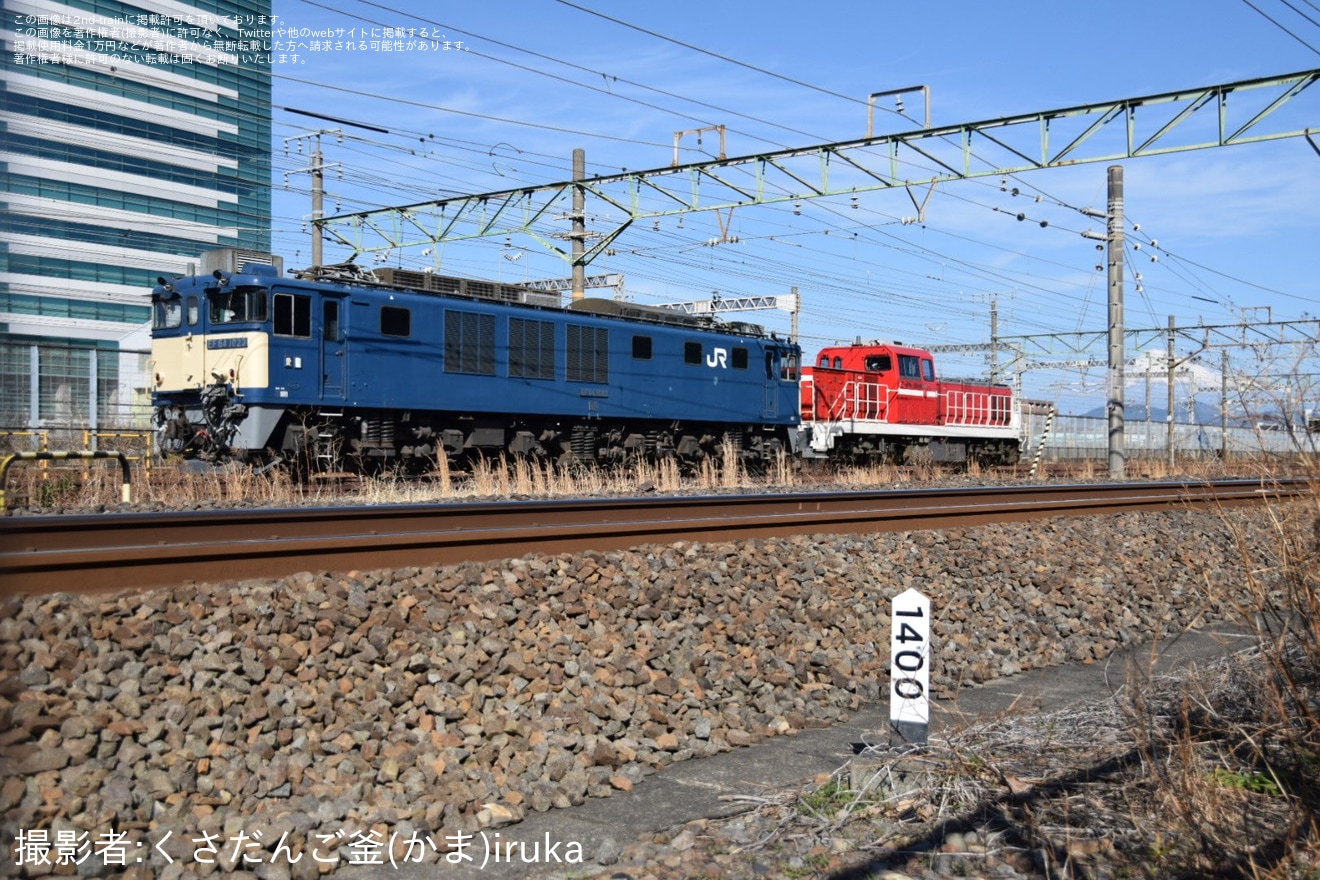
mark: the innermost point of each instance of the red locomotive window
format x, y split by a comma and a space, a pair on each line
928, 370
879, 363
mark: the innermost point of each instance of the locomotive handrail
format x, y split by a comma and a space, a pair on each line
964, 407
126, 491
862, 400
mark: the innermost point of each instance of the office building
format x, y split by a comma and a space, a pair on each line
134, 138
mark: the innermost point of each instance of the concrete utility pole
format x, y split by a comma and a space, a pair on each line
1116, 377
318, 199
579, 234
797, 310
1223, 406
1172, 364
317, 169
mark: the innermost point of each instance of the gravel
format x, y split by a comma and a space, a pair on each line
334, 709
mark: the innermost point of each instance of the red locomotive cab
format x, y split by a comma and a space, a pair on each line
879, 383
918, 394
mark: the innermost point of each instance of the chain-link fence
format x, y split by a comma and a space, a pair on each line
1087, 437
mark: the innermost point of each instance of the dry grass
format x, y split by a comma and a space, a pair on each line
1176, 777
95, 485
1214, 772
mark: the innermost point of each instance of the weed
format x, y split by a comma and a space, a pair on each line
826, 800
58, 489
1244, 781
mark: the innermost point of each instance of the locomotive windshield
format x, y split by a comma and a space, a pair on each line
166, 314
879, 363
245, 304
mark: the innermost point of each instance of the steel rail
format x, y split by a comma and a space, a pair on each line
138, 550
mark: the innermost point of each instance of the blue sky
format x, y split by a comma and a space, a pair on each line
1236, 227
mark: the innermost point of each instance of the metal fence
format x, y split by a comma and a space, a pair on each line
52, 385
1081, 437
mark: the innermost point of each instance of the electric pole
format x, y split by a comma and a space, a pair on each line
1116, 376
579, 234
318, 199
315, 168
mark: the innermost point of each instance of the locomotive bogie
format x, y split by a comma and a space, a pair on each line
377, 440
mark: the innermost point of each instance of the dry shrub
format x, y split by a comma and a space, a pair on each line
172, 486
732, 473
785, 471
1234, 756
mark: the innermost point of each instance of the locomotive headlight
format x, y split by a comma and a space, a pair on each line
159, 380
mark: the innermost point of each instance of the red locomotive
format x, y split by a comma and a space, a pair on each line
886, 402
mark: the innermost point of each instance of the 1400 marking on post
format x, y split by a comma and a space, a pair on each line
909, 667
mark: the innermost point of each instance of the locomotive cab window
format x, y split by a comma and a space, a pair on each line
824, 361
395, 321
193, 311
879, 363
909, 366
928, 369
293, 315
166, 314
739, 358
641, 348
788, 368
692, 352
240, 305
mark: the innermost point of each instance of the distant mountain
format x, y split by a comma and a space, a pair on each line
1135, 411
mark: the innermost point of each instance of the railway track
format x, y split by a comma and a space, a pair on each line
107, 552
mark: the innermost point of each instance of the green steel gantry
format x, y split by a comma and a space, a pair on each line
1104, 132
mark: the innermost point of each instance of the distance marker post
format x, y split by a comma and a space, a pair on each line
909, 668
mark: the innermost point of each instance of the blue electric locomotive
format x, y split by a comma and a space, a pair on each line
346, 369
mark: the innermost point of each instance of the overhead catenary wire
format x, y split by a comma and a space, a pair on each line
1281, 26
